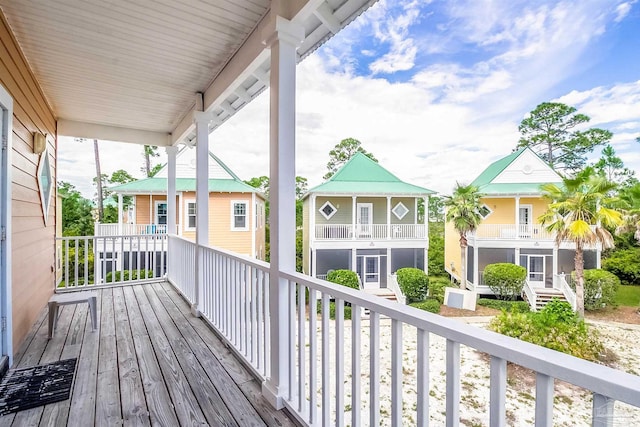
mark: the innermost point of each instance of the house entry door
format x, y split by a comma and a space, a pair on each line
536, 271
371, 279
525, 221
364, 219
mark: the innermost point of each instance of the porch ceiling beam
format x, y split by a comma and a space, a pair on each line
326, 16
112, 133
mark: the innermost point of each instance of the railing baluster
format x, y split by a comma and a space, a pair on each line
422, 350
247, 309
544, 400
292, 287
87, 249
498, 392
396, 373
261, 320
326, 384
313, 356
254, 316
355, 365
339, 362
602, 411
374, 369
75, 267
453, 383
66, 263
302, 291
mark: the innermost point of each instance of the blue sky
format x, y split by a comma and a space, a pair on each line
436, 89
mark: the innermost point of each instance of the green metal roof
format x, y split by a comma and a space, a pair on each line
159, 186
361, 175
495, 168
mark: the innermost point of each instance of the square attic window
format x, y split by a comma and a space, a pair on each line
484, 211
328, 210
45, 183
400, 210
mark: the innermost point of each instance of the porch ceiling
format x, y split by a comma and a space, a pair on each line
129, 72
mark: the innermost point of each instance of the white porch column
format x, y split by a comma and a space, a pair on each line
171, 189
312, 220
353, 217
282, 40
517, 217
555, 265
201, 119
388, 217
120, 214
476, 273
426, 220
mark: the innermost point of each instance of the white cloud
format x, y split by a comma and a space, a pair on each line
622, 10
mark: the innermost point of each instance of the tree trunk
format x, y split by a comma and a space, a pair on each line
579, 266
463, 262
550, 154
147, 161
98, 181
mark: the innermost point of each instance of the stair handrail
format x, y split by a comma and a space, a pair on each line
531, 295
393, 285
568, 293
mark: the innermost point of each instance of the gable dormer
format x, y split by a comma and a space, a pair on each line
527, 168
186, 166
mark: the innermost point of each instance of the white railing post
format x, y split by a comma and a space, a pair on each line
171, 189
282, 37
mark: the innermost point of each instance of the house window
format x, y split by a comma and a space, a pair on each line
239, 216
45, 183
400, 210
161, 213
484, 211
328, 210
191, 215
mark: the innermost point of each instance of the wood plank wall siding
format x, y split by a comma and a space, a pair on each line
33, 254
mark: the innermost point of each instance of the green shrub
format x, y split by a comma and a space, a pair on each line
431, 305
414, 283
505, 280
332, 310
508, 306
437, 286
600, 288
625, 264
128, 275
346, 278
556, 327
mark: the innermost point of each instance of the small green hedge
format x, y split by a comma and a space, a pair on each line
505, 280
332, 310
414, 283
437, 286
431, 305
346, 278
128, 275
625, 264
600, 288
508, 306
556, 327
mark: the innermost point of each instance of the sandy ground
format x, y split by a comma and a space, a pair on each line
572, 405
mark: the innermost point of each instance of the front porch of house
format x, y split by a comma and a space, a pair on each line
301, 339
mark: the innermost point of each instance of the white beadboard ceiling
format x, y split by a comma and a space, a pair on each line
131, 70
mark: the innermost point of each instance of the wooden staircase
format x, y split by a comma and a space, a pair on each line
544, 296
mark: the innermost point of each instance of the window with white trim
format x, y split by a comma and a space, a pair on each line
400, 210
190, 208
45, 183
484, 211
328, 210
161, 213
239, 215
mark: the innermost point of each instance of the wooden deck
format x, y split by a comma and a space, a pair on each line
149, 363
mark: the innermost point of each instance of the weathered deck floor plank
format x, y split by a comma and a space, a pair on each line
150, 362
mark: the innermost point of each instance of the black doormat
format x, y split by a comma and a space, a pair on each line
36, 386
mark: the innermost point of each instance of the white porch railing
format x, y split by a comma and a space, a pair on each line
561, 283
531, 295
509, 232
370, 231
129, 229
108, 260
392, 283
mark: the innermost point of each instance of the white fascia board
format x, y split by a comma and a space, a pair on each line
112, 133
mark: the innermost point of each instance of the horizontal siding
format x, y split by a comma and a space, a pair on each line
33, 251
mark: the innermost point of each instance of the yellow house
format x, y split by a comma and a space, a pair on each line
510, 231
236, 210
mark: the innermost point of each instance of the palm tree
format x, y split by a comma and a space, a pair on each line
463, 212
630, 198
578, 213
